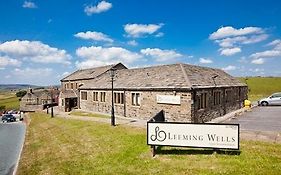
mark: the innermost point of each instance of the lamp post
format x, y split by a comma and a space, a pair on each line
52, 110
112, 72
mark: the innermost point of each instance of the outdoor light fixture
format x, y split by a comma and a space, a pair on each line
213, 77
112, 73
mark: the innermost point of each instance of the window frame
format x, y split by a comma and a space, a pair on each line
136, 99
84, 92
119, 98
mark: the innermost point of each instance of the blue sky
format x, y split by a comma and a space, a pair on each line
43, 41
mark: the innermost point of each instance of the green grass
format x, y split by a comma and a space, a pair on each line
260, 87
87, 114
9, 100
60, 146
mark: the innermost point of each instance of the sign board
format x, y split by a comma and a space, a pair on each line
168, 99
207, 135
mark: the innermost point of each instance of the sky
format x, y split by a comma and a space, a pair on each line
43, 41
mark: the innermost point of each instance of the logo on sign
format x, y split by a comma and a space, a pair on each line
159, 135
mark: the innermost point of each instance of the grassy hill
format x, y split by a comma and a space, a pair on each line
9, 100
63, 146
260, 87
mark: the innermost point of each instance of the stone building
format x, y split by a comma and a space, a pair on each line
35, 100
185, 92
69, 95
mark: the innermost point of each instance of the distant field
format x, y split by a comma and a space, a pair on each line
262, 86
9, 100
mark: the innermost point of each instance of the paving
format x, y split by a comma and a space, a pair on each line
259, 123
11, 142
260, 119
119, 120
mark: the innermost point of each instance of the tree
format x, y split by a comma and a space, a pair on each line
21, 93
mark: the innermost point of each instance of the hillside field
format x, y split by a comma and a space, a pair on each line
260, 87
9, 100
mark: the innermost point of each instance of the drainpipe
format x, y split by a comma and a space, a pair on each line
194, 114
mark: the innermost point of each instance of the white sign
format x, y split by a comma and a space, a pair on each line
168, 99
224, 136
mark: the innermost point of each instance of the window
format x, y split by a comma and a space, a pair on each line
71, 86
217, 98
62, 102
202, 100
83, 95
67, 85
76, 86
64, 86
118, 97
95, 96
228, 96
102, 96
136, 99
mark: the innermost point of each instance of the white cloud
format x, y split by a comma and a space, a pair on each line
274, 43
132, 43
34, 51
138, 30
230, 39
161, 55
6, 61
243, 60
229, 68
98, 56
32, 73
205, 61
268, 53
101, 7
229, 31
230, 51
29, 4
257, 70
160, 34
258, 61
274, 52
96, 36
8, 76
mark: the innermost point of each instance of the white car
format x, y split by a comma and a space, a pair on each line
274, 99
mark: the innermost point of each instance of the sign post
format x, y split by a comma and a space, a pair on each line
207, 135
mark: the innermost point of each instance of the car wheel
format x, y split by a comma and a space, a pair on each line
264, 103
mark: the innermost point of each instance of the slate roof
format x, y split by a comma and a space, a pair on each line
91, 73
173, 76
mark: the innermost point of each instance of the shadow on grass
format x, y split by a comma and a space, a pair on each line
177, 151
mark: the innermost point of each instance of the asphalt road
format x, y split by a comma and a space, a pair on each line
267, 118
11, 141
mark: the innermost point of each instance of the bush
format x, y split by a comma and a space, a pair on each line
21, 93
2, 108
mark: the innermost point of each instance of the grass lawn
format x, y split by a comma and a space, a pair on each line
87, 114
59, 146
9, 100
260, 87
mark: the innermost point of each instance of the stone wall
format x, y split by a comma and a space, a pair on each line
187, 111
234, 102
148, 105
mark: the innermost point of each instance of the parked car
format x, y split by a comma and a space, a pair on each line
8, 118
274, 99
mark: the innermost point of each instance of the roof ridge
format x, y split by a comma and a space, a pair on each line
185, 76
